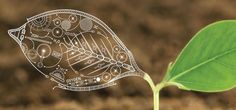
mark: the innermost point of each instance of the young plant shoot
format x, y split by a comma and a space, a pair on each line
206, 64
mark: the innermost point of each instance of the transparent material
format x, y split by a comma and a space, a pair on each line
75, 49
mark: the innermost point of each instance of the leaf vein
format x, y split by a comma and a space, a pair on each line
203, 63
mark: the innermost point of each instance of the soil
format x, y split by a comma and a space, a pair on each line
155, 31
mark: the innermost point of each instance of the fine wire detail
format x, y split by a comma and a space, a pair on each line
75, 49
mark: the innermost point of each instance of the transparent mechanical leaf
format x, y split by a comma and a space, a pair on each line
75, 49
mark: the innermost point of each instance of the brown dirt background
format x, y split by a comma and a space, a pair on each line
154, 30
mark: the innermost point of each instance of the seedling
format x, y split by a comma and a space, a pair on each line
79, 52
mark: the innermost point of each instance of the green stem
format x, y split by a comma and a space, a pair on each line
156, 91
150, 82
156, 99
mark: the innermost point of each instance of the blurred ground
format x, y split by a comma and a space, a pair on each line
154, 30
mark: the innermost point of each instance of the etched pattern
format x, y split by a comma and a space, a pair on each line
74, 49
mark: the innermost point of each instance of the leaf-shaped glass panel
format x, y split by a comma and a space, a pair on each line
75, 49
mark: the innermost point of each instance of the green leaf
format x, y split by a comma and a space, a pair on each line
208, 62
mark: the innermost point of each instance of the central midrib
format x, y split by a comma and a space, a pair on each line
203, 63
102, 59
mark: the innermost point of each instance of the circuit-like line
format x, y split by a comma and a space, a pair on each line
99, 69
106, 49
79, 42
96, 44
81, 60
91, 65
74, 56
38, 40
86, 42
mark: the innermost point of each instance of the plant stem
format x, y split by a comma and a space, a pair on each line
150, 82
156, 91
156, 102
